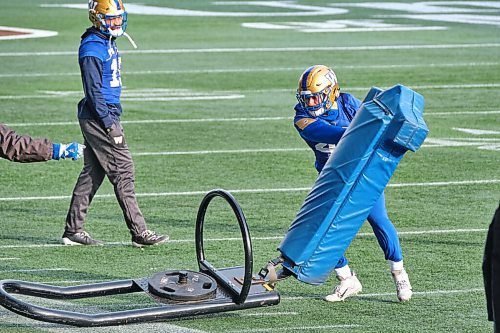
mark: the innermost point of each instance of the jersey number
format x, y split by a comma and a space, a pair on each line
325, 147
116, 80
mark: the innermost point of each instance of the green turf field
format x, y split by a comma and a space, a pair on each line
208, 103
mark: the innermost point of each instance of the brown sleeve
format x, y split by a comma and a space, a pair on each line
22, 148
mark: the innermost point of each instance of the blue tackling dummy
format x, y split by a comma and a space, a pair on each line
388, 124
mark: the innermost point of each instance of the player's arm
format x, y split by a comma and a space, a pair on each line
317, 130
22, 148
25, 149
92, 69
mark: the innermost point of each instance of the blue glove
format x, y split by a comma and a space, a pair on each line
73, 150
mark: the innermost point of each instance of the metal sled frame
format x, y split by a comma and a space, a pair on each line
230, 295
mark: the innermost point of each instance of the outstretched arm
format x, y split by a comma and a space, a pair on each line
25, 149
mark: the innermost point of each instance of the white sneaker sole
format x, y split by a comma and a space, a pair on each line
67, 241
406, 296
334, 298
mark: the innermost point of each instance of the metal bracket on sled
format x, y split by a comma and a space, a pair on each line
269, 273
180, 293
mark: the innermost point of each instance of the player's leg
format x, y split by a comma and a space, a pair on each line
88, 183
388, 240
115, 158
348, 285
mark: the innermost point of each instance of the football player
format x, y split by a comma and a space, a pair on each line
321, 117
25, 149
107, 153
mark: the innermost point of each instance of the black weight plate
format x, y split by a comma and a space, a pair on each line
183, 286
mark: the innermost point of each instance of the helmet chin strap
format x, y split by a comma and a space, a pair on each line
130, 40
124, 34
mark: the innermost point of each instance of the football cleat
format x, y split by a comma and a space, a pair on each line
403, 286
318, 90
109, 16
347, 287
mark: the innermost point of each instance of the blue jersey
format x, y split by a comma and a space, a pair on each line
322, 133
100, 66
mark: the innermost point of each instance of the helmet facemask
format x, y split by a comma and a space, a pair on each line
319, 83
110, 24
323, 98
109, 16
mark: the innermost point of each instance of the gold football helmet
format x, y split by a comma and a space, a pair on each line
318, 89
109, 16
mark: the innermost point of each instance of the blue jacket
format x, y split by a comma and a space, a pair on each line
100, 66
322, 133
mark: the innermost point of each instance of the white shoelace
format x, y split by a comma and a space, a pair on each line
148, 234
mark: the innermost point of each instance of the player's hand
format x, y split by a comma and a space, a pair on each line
72, 150
116, 133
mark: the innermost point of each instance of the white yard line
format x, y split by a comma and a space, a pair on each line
218, 120
35, 270
442, 292
430, 143
8, 259
475, 131
268, 314
260, 190
160, 95
227, 151
268, 49
284, 328
162, 121
181, 98
267, 238
135, 99
202, 71
430, 114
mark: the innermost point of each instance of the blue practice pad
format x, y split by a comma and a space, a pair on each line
387, 124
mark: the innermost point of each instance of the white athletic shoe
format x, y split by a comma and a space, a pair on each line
403, 286
347, 287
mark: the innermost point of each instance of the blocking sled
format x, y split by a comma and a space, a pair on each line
179, 293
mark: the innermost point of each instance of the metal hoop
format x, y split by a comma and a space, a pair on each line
239, 296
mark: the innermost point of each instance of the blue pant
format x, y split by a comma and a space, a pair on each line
384, 230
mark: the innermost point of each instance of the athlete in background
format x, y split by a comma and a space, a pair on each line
99, 112
25, 149
321, 118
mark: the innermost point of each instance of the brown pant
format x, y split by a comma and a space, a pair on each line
104, 156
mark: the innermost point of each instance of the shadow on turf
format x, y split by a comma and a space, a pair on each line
31, 239
66, 275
